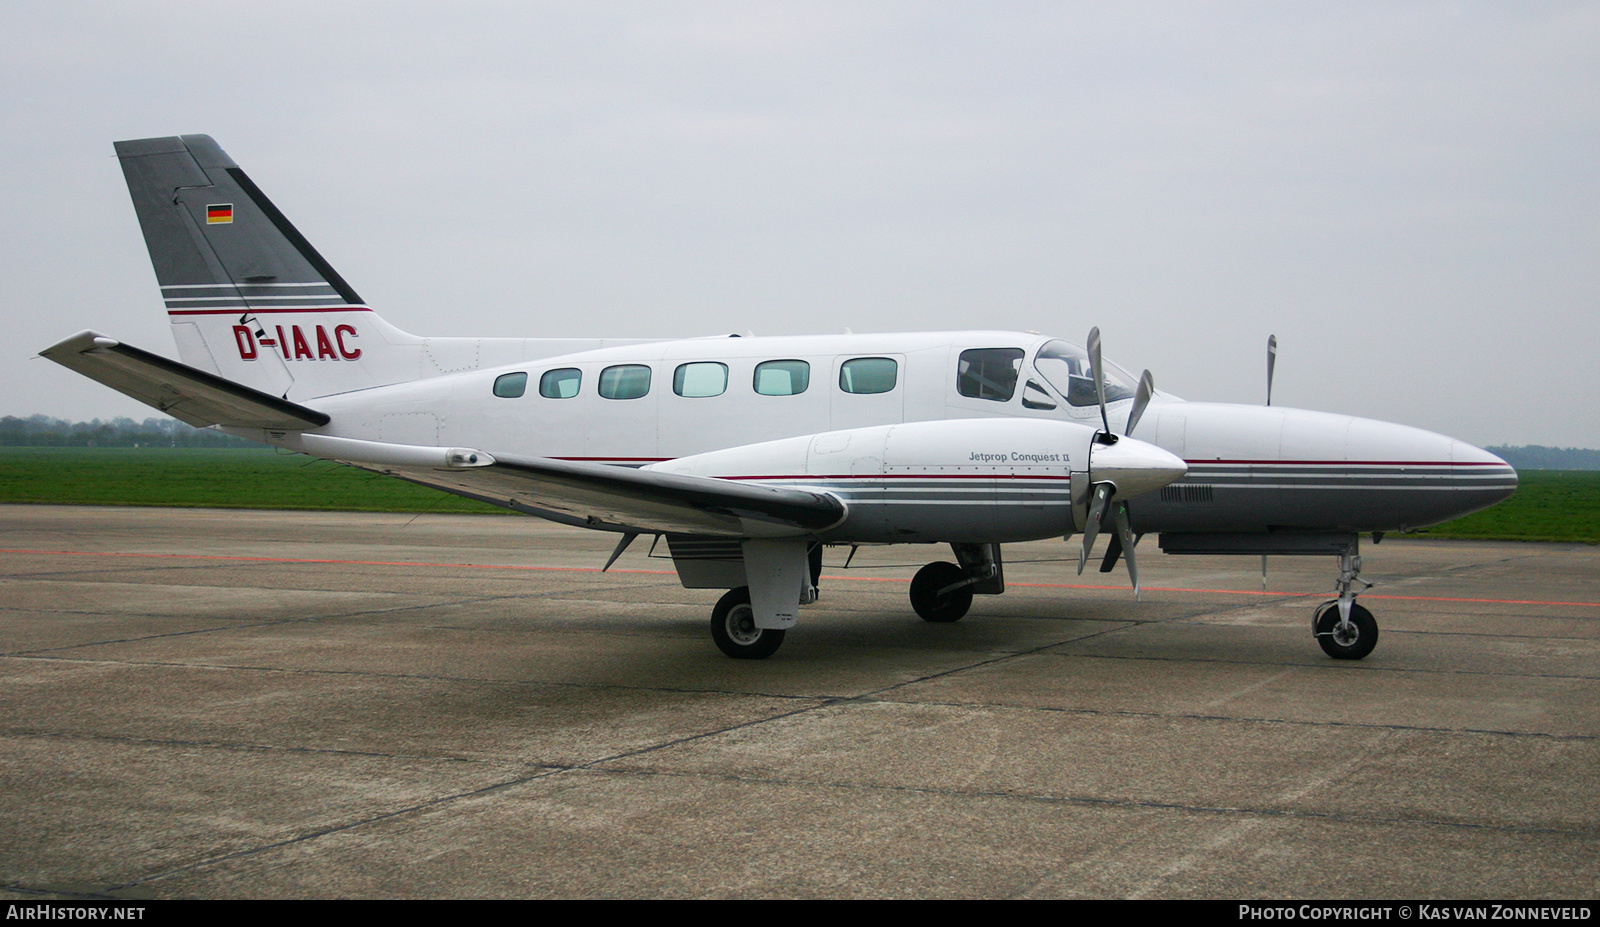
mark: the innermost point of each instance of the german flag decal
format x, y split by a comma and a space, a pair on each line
219, 214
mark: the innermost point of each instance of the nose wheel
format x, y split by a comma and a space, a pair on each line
1345, 630
1346, 640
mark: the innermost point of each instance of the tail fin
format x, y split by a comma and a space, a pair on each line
249, 298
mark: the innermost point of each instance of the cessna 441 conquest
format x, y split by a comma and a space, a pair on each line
749, 454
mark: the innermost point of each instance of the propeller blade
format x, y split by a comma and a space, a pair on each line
1129, 543
1091, 527
1113, 553
1098, 372
1272, 362
1147, 388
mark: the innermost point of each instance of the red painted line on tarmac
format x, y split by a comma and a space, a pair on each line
1326, 593
397, 563
858, 579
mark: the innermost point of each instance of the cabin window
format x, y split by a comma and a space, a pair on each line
868, 375
510, 385
782, 377
560, 384
988, 373
697, 381
625, 381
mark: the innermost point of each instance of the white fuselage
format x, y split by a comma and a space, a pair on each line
1251, 468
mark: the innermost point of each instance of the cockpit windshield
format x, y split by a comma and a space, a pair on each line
1066, 366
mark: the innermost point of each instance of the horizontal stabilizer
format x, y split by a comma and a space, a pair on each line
190, 395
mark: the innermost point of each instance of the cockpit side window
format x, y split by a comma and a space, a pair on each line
1067, 368
1035, 396
988, 373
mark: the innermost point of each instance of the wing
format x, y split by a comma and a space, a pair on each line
594, 495
186, 393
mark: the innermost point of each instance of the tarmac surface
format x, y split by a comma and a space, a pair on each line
235, 704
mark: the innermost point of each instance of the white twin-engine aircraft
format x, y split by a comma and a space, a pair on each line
749, 454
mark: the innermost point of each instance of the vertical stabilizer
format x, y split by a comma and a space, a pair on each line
249, 298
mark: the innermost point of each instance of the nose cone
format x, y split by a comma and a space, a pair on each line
1428, 478
1496, 480
1134, 467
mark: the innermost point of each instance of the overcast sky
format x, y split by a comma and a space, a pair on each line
1407, 194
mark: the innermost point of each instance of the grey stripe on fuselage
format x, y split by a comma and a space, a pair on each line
1268, 475
1348, 496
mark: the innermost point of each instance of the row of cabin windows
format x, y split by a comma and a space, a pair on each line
703, 379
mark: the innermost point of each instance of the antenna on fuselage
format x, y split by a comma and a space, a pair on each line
1272, 362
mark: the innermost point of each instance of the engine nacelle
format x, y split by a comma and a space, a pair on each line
960, 481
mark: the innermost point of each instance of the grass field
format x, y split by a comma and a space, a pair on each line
251, 478
1551, 505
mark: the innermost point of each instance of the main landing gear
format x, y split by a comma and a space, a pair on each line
1345, 630
785, 576
942, 592
733, 627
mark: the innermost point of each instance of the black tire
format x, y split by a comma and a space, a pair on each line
925, 596
733, 627
1342, 648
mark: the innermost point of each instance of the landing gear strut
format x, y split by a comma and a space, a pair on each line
1345, 630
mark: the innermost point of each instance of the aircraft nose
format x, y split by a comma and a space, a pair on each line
1428, 478
1496, 479
1134, 467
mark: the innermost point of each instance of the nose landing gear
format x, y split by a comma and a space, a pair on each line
1345, 630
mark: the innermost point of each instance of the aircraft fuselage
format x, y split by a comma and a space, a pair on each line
1252, 468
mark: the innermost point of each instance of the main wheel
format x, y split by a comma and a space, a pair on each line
733, 627
927, 601
1352, 643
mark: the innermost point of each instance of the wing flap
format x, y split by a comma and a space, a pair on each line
186, 393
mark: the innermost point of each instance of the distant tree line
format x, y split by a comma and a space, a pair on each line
43, 431
1539, 457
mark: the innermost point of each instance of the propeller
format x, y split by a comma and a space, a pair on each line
1123, 542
